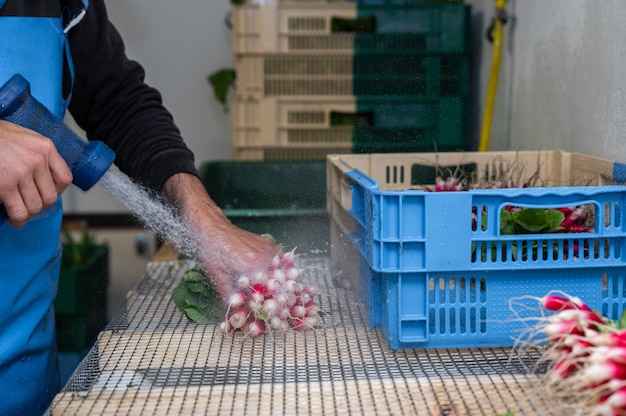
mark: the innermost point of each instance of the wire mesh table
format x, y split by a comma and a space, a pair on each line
151, 360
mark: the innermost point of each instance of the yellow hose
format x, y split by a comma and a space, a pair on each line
485, 132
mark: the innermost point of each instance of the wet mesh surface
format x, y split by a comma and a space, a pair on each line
151, 360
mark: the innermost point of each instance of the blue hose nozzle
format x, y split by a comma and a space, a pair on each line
88, 160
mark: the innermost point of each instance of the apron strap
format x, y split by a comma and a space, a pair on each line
68, 54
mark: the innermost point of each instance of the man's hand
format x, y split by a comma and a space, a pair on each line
225, 251
32, 173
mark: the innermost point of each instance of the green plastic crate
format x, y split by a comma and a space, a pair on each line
286, 199
427, 76
432, 27
77, 332
85, 287
412, 126
81, 302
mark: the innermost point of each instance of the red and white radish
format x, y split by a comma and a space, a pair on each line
239, 318
275, 299
588, 353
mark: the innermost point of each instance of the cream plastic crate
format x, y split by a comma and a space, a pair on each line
293, 128
276, 75
358, 124
271, 153
307, 27
269, 28
290, 122
363, 75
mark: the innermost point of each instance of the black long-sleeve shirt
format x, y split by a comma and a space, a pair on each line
110, 99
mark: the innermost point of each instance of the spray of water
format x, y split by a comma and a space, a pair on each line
151, 212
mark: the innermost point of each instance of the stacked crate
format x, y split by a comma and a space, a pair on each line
317, 77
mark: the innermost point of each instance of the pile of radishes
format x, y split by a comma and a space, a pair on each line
274, 300
588, 355
450, 184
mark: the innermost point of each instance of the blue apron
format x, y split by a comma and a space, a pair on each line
30, 257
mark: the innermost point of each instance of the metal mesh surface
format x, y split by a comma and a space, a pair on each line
151, 360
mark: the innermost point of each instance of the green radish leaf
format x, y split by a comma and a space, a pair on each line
268, 235
179, 295
507, 222
531, 221
260, 315
197, 314
196, 287
536, 220
197, 299
271, 237
194, 276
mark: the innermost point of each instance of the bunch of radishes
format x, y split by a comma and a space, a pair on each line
588, 353
578, 219
450, 184
276, 299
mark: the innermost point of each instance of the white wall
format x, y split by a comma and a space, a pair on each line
569, 76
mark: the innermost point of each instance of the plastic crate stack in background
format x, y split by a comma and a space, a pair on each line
316, 77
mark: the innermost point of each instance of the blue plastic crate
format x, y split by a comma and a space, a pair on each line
472, 308
434, 276
432, 231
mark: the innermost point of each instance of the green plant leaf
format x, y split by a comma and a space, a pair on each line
270, 236
531, 221
77, 252
538, 220
198, 315
261, 315
179, 295
197, 299
221, 80
507, 222
194, 276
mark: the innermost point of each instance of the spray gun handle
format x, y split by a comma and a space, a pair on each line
88, 161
